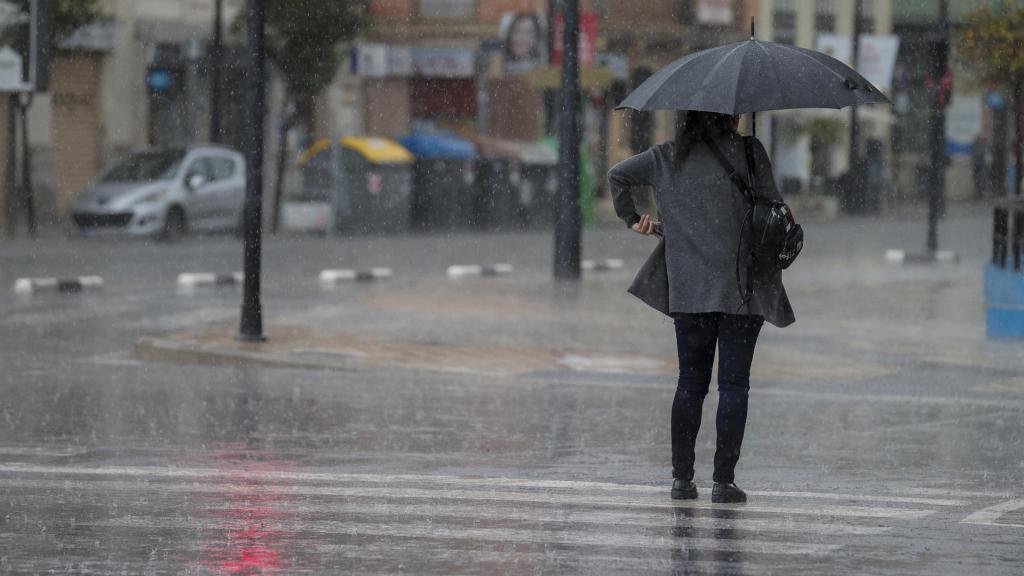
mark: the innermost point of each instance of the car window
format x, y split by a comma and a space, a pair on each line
144, 167
199, 166
222, 168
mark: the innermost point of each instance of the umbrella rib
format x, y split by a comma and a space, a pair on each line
771, 63
815, 60
718, 65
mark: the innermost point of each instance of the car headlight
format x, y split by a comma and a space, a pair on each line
154, 196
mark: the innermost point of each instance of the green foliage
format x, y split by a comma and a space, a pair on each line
991, 43
303, 38
70, 15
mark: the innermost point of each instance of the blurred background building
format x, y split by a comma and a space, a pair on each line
140, 76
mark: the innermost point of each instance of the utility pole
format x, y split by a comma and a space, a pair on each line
568, 220
27, 192
216, 55
11, 200
251, 327
856, 181
936, 174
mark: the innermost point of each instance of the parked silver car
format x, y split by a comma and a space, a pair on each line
165, 192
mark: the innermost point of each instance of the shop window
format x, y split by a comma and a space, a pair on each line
784, 21
825, 16
448, 8
867, 16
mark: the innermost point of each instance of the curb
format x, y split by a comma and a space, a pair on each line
602, 265
463, 270
904, 257
331, 277
59, 285
197, 279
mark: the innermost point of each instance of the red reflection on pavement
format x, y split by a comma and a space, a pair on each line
244, 535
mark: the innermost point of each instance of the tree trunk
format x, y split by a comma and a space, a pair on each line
1018, 127
282, 151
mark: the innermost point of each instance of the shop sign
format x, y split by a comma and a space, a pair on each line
370, 60
523, 41
431, 62
588, 39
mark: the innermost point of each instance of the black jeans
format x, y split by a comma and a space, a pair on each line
696, 336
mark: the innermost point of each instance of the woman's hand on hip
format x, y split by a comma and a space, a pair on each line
647, 225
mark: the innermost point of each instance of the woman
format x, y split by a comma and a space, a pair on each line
703, 221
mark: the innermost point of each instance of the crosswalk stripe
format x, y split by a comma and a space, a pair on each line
428, 529
483, 495
445, 480
438, 511
526, 561
988, 516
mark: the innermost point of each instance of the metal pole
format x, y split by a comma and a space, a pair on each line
11, 167
936, 180
251, 328
568, 220
857, 195
27, 191
216, 55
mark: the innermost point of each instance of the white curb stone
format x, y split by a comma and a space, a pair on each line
197, 279
62, 285
463, 270
602, 265
335, 276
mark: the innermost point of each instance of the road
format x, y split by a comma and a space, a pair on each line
885, 432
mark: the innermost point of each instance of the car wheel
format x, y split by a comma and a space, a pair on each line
175, 225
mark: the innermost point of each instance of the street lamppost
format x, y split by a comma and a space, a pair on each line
568, 220
936, 180
216, 55
251, 326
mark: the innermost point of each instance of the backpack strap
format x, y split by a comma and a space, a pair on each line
744, 186
748, 146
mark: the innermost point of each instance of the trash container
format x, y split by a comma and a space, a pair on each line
498, 176
309, 203
444, 181
1004, 275
357, 185
537, 185
378, 177
586, 174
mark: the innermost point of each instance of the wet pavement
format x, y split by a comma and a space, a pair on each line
497, 425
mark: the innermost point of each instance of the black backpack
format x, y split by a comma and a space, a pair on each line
776, 238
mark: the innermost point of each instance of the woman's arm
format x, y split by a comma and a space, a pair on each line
635, 171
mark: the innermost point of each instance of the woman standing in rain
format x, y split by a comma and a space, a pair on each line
703, 218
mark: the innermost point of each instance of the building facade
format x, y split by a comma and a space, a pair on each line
811, 148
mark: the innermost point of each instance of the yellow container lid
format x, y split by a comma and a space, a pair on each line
317, 147
378, 150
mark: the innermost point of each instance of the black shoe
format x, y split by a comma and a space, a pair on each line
684, 490
729, 493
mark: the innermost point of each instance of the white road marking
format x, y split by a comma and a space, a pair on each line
954, 492
429, 529
566, 499
988, 516
504, 512
405, 479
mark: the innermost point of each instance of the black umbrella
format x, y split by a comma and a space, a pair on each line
753, 76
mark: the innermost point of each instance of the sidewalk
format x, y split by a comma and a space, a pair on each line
859, 319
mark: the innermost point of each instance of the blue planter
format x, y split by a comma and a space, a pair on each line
1004, 302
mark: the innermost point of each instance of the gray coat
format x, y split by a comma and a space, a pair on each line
702, 213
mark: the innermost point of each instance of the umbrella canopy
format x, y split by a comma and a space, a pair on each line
753, 76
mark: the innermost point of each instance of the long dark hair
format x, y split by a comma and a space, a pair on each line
691, 125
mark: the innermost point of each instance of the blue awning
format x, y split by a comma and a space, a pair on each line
438, 146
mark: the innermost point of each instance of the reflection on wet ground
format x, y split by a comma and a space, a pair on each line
884, 434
